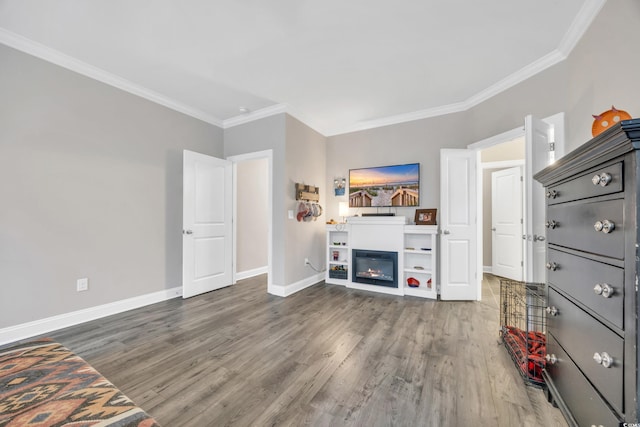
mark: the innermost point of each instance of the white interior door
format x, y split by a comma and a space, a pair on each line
539, 154
506, 223
207, 257
458, 217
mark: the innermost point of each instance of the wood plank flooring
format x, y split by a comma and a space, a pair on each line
325, 356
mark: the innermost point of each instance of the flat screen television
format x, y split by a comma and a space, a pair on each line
385, 186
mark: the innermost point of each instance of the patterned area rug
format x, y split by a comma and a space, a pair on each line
43, 383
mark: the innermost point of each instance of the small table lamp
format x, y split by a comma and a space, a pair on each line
343, 210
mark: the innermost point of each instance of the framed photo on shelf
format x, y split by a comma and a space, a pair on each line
426, 216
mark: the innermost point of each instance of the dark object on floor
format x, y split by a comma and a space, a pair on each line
523, 327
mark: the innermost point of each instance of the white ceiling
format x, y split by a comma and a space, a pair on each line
336, 65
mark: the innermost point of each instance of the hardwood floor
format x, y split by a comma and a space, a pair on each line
325, 356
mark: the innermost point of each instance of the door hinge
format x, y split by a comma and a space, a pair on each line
521, 263
521, 221
521, 178
552, 146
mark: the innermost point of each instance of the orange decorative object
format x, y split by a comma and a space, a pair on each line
604, 121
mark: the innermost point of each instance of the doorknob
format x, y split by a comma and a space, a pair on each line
493, 229
446, 232
187, 231
537, 238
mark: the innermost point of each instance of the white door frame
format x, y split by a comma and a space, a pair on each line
557, 120
268, 155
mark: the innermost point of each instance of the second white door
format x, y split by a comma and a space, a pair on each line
207, 262
506, 223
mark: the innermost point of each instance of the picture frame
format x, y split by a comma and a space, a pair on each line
426, 216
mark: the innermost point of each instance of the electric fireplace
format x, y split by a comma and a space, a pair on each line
375, 267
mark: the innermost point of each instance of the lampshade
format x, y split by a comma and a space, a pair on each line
343, 209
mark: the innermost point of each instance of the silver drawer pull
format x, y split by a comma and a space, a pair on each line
603, 359
551, 224
552, 194
552, 310
605, 226
605, 179
605, 289
552, 266
551, 358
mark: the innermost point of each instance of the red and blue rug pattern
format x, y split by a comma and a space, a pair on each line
42, 383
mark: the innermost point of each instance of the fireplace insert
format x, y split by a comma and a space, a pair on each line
375, 267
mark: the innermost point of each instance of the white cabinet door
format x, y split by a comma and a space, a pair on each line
458, 243
207, 255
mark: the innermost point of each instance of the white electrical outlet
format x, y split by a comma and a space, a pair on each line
82, 284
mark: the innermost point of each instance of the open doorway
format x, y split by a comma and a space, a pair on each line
252, 189
544, 143
501, 228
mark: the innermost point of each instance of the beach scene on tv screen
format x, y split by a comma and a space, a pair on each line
385, 186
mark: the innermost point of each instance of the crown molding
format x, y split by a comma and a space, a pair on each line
398, 118
48, 54
580, 24
254, 115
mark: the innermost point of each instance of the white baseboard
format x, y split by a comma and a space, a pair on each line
285, 291
487, 269
252, 273
46, 325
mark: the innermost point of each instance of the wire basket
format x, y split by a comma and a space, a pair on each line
523, 327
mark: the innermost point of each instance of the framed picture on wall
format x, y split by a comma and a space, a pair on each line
425, 216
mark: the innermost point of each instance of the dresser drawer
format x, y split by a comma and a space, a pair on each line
578, 277
573, 226
582, 336
583, 186
585, 404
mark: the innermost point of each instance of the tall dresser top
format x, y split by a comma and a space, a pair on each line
614, 142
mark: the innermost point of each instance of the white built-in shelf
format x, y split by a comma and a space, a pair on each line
377, 237
420, 246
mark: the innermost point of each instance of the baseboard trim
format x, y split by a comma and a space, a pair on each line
285, 291
487, 269
49, 324
252, 273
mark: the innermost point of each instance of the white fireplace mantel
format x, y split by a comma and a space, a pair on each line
390, 234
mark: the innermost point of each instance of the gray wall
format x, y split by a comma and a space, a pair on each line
91, 186
298, 156
418, 141
306, 164
252, 216
267, 134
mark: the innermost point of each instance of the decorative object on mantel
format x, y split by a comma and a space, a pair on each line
425, 216
339, 185
413, 282
604, 121
308, 193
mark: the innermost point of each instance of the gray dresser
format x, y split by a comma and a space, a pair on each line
592, 269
